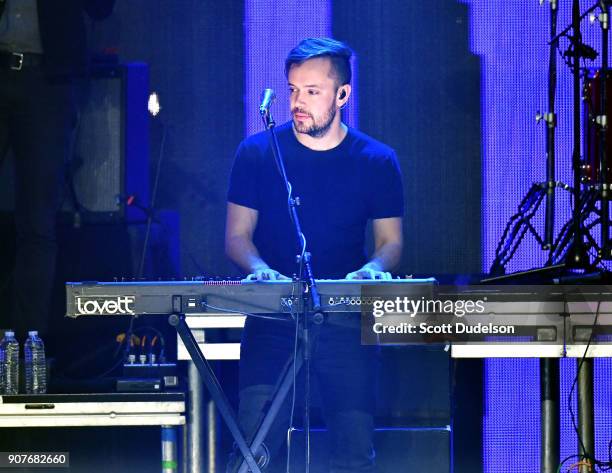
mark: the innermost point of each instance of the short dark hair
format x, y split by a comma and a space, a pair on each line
310, 48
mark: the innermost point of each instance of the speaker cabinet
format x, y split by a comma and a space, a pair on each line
108, 164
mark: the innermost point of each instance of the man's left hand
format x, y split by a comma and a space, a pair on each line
367, 272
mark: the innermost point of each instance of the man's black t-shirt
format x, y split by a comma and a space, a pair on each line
339, 190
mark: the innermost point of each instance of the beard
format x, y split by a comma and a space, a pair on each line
319, 127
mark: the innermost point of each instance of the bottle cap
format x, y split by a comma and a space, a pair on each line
32, 333
9, 333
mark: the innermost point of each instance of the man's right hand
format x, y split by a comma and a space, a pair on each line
266, 274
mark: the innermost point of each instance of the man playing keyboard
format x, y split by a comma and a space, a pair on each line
344, 179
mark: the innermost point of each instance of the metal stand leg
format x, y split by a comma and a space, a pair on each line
586, 421
184, 451
212, 385
168, 445
549, 414
212, 424
277, 401
307, 356
194, 419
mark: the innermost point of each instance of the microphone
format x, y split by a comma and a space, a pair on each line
267, 99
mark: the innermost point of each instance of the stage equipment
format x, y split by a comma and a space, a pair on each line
107, 174
166, 410
107, 177
134, 297
592, 111
574, 247
574, 323
312, 315
556, 321
266, 298
520, 223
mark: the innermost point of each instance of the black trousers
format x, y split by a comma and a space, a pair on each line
37, 117
344, 372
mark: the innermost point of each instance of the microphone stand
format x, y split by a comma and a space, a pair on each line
311, 298
551, 123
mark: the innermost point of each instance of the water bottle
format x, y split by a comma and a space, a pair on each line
9, 362
35, 364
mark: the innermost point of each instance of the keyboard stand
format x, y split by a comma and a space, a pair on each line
277, 402
214, 388
220, 399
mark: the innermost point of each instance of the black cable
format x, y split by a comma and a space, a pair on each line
65, 373
565, 460
118, 363
127, 340
151, 210
293, 392
569, 399
248, 314
152, 329
128, 337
